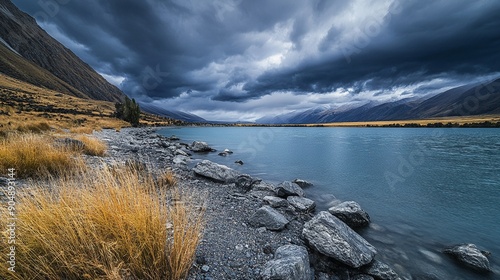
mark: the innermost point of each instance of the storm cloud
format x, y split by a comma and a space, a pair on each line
243, 59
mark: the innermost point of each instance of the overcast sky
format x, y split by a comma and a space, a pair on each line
242, 59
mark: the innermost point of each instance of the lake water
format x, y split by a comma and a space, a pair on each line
424, 188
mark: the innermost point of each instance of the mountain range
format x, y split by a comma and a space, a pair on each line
468, 100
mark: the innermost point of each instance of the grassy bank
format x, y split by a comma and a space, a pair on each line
85, 222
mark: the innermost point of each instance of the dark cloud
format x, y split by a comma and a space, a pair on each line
241, 50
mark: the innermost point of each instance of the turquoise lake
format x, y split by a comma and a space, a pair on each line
424, 188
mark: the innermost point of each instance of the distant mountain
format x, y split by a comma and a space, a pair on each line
178, 115
473, 99
29, 54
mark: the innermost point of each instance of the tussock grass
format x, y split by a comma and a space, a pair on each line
34, 155
38, 127
82, 129
111, 223
93, 146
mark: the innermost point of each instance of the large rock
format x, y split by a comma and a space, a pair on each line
216, 171
180, 159
331, 237
291, 262
350, 212
245, 181
469, 255
200, 147
276, 202
301, 203
269, 218
380, 270
287, 189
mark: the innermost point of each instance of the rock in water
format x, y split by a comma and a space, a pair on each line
291, 262
200, 147
301, 203
287, 189
350, 212
380, 270
331, 237
269, 218
216, 171
469, 255
302, 183
240, 162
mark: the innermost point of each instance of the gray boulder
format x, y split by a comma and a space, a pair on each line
287, 189
264, 186
200, 147
301, 203
362, 277
276, 202
291, 262
331, 237
350, 212
269, 218
217, 172
469, 255
380, 270
302, 183
180, 159
245, 181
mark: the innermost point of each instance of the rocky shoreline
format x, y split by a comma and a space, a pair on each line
259, 230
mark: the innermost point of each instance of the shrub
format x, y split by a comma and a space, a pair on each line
128, 111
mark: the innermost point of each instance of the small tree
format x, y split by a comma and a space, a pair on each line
128, 111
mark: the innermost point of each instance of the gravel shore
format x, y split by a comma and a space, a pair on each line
230, 248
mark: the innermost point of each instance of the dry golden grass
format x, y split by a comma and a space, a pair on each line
93, 146
82, 130
111, 223
35, 127
21, 102
35, 155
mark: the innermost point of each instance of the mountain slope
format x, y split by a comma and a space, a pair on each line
178, 115
15, 66
21, 33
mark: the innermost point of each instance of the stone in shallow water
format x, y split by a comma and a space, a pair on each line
287, 189
469, 255
302, 183
331, 237
200, 147
380, 270
350, 212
